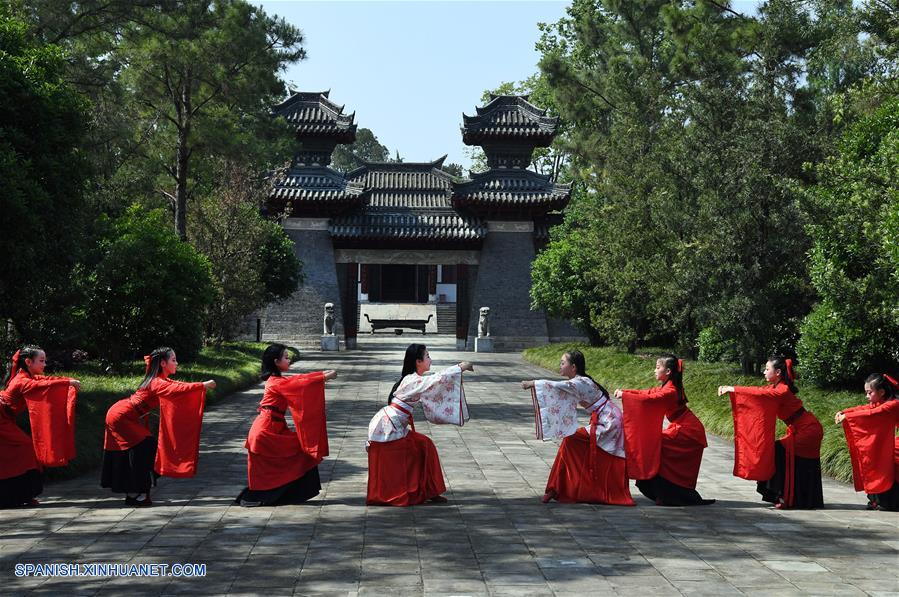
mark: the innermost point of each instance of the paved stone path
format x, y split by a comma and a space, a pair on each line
494, 537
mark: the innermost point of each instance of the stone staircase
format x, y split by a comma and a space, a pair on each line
446, 318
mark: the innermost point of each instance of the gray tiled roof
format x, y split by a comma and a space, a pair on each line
408, 202
320, 190
509, 117
408, 226
513, 189
403, 175
314, 115
418, 185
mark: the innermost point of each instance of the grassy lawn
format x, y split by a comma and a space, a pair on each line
614, 368
234, 367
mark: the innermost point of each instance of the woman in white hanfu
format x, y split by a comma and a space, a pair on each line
403, 466
590, 465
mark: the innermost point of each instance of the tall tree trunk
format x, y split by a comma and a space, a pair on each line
183, 165
181, 170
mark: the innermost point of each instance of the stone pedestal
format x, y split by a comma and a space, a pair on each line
483, 344
460, 344
330, 343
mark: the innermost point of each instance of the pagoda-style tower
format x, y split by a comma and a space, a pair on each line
409, 242
511, 199
308, 194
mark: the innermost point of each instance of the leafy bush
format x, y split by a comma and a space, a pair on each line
853, 330
150, 289
714, 348
562, 280
44, 215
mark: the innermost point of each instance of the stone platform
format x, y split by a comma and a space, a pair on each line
494, 537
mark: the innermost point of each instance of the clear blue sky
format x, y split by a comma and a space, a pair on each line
410, 68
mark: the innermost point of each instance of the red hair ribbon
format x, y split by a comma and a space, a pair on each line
148, 359
891, 380
680, 365
15, 365
789, 363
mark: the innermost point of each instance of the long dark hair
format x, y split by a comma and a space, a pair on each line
163, 353
879, 381
414, 353
673, 364
29, 351
271, 354
786, 373
576, 358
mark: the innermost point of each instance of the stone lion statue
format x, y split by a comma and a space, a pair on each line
484, 323
329, 319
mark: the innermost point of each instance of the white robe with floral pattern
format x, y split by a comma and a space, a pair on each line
442, 399
555, 412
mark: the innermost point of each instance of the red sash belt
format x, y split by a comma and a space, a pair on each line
406, 412
795, 416
788, 444
677, 414
273, 409
274, 413
139, 407
591, 450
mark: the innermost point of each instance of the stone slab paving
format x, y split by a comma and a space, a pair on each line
494, 537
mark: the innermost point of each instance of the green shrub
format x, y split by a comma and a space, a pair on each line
149, 289
853, 330
714, 348
833, 350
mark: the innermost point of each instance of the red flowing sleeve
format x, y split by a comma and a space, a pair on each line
644, 411
51, 412
870, 435
755, 422
180, 420
306, 397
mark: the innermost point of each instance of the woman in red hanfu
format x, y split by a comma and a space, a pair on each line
282, 465
590, 465
664, 462
873, 446
788, 471
51, 408
403, 466
132, 457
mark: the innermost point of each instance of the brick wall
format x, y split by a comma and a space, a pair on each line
503, 283
298, 320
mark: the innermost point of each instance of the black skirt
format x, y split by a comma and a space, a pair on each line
18, 491
807, 491
296, 492
888, 500
665, 493
131, 470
